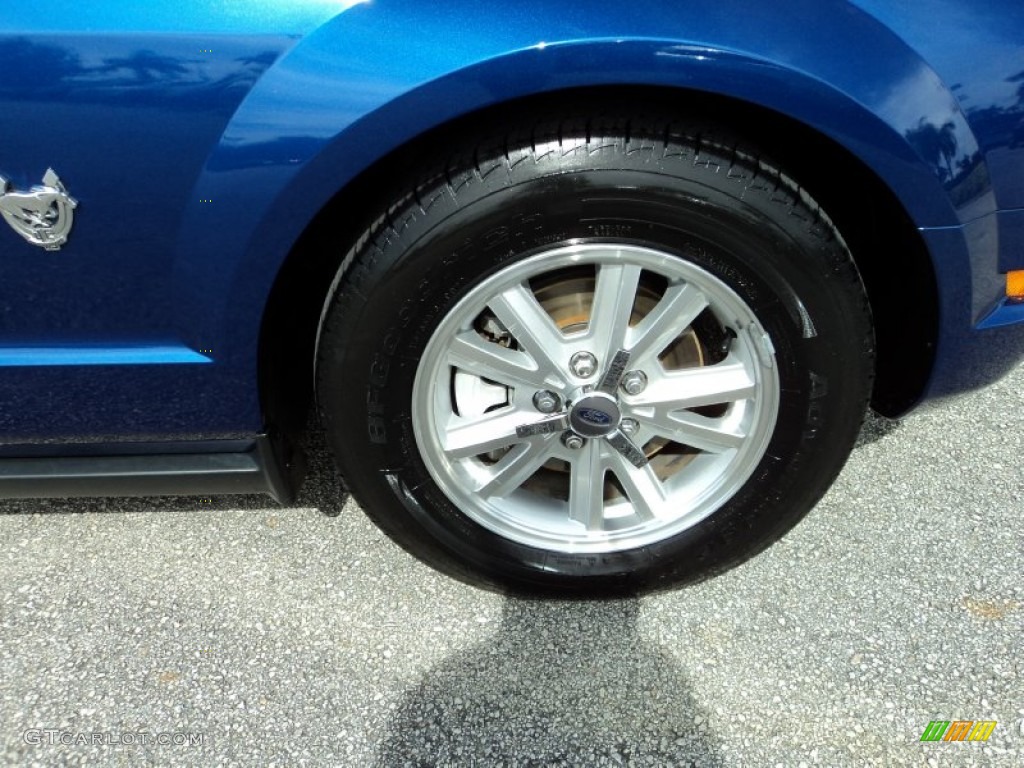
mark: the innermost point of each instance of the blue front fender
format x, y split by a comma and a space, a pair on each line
383, 73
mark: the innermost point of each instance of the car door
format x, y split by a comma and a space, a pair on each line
98, 338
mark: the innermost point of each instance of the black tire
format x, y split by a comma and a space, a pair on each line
693, 191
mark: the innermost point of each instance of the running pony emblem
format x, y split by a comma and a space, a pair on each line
43, 215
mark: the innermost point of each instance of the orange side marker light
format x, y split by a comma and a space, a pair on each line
1015, 285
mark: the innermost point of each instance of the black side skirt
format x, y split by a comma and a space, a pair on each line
253, 470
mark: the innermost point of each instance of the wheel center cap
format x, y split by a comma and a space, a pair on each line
595, 415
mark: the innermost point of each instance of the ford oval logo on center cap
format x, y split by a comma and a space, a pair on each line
595, 416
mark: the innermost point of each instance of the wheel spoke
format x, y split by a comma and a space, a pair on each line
492, 361
642, 487
614, 373
621, 443
523, 317
701, 432
675, 312
614, 294
557, 423
517, 466
481, 435
724, 382
586, 487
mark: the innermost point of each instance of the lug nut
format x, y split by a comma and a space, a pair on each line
583, 365
545, 401
634, 382
629, 426
572, 441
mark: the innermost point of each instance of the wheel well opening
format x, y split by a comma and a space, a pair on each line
889, 252
887, 248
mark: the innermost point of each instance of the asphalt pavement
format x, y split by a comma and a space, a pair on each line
235, 632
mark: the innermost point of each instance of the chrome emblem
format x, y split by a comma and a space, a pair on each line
43, 215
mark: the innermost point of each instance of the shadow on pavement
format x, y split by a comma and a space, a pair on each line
559, 684
876, 427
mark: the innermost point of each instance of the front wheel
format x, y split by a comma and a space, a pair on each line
595, 362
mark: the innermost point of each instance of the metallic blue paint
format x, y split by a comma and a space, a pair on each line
202, 137
206, 17
1009, 312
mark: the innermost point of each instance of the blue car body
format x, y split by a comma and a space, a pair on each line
204, 141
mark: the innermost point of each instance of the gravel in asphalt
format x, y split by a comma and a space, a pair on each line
301, 636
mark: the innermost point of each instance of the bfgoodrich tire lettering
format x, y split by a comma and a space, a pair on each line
675, 245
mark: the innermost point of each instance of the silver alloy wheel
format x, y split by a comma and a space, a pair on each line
698, 429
